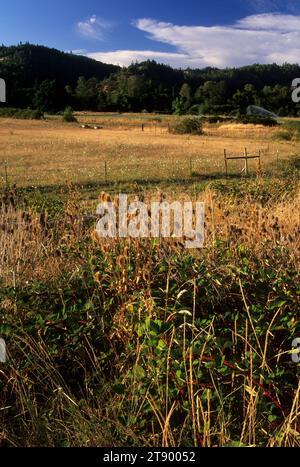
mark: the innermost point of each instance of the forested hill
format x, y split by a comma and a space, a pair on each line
25, 66
49, 80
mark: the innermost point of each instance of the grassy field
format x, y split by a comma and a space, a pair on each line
142, 342
49, 153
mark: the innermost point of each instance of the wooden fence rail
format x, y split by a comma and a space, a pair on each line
246, 157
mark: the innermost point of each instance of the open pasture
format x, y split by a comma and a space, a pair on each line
39, 153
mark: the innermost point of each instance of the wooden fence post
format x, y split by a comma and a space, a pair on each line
6, 174
226, 165
246, 162
105, 172
246, 157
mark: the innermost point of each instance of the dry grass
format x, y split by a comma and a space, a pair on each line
54, 413
50, 152
85, 366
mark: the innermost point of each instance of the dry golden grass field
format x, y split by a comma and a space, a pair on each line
51, 152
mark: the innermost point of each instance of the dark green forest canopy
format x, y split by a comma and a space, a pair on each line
25, 67
49, 80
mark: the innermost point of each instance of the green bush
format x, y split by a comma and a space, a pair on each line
155, 119
218, 119
284, 135
257, 120
195, 110
36, 114
293, 127
189, 125
26, 114
213, 119
68, 115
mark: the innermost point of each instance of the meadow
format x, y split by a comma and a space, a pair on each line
140, 342
48, 153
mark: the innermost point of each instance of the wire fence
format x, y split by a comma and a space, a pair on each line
106, 171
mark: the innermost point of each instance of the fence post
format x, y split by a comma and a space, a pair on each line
246, 162
142, 127
259, 162
226, 165
105, 172
6, 174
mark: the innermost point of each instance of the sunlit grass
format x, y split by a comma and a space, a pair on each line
138, 342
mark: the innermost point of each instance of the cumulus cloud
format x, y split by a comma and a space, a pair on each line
261, 38
126, 57
271, 22
93, 28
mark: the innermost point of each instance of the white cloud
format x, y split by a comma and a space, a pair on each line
271, 22
261, 38
77, 51
126, 57
93, 28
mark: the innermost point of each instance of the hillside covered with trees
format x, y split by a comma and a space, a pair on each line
49, 80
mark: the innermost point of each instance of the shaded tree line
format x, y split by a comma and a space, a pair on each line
49, 80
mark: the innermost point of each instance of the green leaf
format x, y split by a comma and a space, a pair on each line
272, 418
279, 303
139, 372
119, 389
161, 345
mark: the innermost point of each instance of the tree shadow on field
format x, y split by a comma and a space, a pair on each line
131, 186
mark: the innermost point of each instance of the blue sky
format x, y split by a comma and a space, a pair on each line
193, 33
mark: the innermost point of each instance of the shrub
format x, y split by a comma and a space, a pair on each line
195, 110
68, 115
26, 114
284, 135
155, 119
190, 125
218, 119
257, 120
213, 119
293, 127
36, 115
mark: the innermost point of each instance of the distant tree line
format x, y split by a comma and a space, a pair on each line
49, 80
